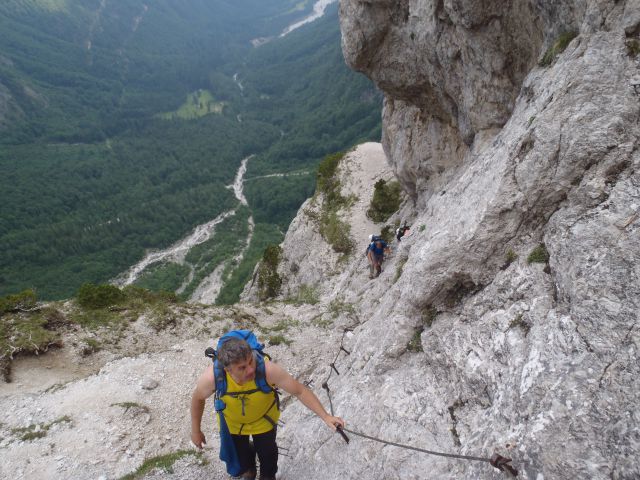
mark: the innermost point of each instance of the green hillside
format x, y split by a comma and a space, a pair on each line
121, 126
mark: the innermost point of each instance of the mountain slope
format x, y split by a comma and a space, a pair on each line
511, 326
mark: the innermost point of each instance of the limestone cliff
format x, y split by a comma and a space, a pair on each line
513, 128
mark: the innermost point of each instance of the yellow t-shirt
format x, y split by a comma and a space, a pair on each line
245, 413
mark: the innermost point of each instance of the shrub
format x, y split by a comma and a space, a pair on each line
538, 255
269, 281
328, 182
283, 325
321, 322
509, 257
93, 296
125, 305
89, 346
20, 301
134, 292
25, 333
336, 232
388, 233
385, 202
131, 406
161, 318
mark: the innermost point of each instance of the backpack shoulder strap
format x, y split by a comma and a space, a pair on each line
220, 377
261, 373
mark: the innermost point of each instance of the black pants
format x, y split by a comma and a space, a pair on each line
264, 444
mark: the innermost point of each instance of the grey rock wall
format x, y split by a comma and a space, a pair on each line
536, 361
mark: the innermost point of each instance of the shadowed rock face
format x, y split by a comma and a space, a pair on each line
460, 62
499, 154
455, 68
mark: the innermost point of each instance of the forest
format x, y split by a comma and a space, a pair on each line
96, 168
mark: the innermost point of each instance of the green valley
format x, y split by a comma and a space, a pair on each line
123, 124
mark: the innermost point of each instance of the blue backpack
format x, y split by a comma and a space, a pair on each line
373, 239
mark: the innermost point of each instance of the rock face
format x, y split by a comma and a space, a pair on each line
499, 155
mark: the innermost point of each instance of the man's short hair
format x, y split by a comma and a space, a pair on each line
233, 351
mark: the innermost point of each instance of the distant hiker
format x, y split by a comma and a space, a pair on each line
400, 231
375, 254
372, 238
244, 382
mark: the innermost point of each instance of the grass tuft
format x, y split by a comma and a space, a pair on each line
557, 48
538, 255
306, 295
415, 344
131, 406
399, 268
518, 322
40, 430
278, 340
633, 48
337, 307
164, 463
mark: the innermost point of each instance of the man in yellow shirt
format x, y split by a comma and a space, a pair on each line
247, 410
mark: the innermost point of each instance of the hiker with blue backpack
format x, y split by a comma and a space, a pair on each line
375, 255
245, 382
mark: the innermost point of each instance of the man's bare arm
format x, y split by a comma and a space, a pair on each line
205, 387
279, 377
